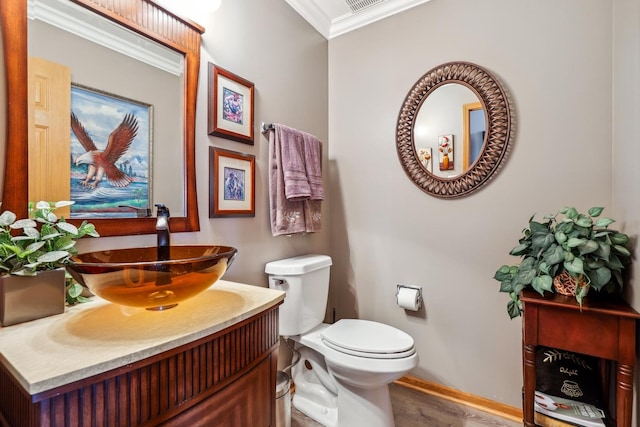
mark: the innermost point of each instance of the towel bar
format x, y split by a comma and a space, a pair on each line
264, 127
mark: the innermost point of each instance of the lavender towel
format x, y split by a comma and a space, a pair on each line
288, 216
301, 163
313, 166
296, 184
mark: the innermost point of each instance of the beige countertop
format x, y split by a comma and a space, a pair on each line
98, 336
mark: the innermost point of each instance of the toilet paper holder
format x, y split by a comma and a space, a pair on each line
414, 287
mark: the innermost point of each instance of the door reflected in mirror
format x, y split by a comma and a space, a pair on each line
450, 128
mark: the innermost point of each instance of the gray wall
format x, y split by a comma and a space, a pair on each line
555, 60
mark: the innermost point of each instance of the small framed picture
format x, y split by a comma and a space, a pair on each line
445, 148
230, 105
231, 184
424, 155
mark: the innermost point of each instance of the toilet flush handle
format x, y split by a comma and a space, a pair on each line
279, 283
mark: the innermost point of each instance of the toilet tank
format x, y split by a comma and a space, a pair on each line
305, 279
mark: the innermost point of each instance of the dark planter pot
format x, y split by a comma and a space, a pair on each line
24, 298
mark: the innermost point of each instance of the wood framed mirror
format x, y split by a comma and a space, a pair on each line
157, 25
494, 141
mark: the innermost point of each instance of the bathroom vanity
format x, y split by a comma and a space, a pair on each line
211, 360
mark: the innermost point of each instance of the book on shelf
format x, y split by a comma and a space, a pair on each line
571, 411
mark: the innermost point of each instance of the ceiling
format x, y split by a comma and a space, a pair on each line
332, 18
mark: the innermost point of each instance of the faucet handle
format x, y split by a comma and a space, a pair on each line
162, 210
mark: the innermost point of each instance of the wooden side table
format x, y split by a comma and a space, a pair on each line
604, 329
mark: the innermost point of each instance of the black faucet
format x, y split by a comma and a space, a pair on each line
162, 228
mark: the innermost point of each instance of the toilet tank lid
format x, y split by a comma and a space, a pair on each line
298, 265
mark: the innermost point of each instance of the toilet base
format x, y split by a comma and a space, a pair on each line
370, 408
328, 417
322, 396
364, 407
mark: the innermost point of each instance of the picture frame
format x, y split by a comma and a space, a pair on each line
445, 149
100, 118
232, 181
425, 157
230, 105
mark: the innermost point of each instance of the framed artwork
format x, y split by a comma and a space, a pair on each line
111, 173
445, 148
424, 154
231, 184
230, 105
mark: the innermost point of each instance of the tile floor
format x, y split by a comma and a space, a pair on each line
415, 409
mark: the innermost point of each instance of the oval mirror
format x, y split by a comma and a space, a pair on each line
126, 38
454, 129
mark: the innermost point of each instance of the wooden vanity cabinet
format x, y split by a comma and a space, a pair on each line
225, 379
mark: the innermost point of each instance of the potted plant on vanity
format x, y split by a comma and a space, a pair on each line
569, 253
33, 280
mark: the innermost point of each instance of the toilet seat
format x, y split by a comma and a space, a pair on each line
368, 339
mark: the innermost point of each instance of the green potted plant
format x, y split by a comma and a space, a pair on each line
569, 253
33, 280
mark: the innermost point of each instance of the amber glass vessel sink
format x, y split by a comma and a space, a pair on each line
152, 278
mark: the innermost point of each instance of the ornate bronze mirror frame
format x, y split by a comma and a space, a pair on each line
497, 137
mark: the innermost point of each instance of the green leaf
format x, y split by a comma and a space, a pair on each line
570, 213
603, 251
538, 227
614, 262
574, 242
67, 227
519, 250
22, 223
622, 250
582, 292
513, 309
600, 277
506, 286
596, 211
503, 273
588, 247
565, 227
75, 290
31, 232
619, 238
584, 221
542, 283
574, 267
560, 237
604, 222
7, 218
553, 255
542, 240
53, 256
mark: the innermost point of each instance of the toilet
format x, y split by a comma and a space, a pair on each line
342, 377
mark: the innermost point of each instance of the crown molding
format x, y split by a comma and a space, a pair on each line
90, 26
331, 27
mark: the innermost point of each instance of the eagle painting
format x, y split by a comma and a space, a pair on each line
102, 163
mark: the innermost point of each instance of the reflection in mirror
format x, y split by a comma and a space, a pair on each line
174, 134
474, 130
440, 130
121, 77
422, 147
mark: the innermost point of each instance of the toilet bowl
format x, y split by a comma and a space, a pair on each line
344, 369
